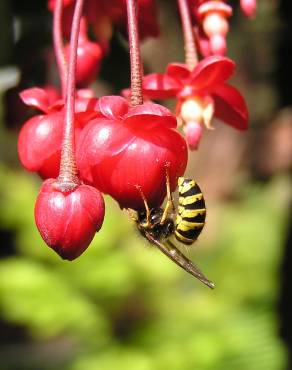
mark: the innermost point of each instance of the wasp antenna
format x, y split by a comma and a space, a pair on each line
171, 251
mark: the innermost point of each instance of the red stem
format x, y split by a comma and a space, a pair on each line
58, 43
68, 177
135, 57
191, 57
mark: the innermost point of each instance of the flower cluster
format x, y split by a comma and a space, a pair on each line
82, 145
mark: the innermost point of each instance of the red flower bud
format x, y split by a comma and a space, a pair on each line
193, 134
68, 221
249, 7
89, 56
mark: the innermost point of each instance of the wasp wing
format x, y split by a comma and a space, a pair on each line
171, 251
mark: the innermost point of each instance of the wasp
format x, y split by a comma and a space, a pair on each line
157, 225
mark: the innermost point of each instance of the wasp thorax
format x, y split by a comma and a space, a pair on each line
153, 224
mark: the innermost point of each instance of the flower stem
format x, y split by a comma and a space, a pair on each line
68, 177
58, 44
135, 57
191, 57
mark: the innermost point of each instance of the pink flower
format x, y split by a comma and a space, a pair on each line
248, 7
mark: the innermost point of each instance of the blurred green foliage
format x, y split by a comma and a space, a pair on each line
122, 305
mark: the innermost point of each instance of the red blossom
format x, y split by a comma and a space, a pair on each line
206, 80
111, 13
248, 7
40, 139
89, 57
129, 150
68, 221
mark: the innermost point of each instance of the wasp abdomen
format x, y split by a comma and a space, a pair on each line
191, 215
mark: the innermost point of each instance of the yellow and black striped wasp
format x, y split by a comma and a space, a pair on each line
158, 224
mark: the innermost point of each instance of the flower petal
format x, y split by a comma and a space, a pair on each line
113, 107
160, 86
212, 71
36, 98
178, 70
230, 106
148, 116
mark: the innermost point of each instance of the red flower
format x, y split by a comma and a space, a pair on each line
201, 92
68, 221
248, 7
40, 139
104, 14
89, 57
129, 151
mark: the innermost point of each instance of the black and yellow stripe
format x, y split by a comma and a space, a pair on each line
191, 214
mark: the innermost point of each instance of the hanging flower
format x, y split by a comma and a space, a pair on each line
40, 139
248, 7
103, 15
213, 26
129, 150
89, 57
202, 93
68, 221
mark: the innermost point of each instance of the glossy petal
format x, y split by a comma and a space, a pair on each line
230, 106
39, 143
89, 57
118, 158
36, 98
68, 221
149, 115
178, 71
142, 165
211, 71
113, 107
160, 86
100, 139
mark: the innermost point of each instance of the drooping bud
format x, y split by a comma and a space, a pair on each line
214, 16
248, 7
68, 221
193, 134
89, 57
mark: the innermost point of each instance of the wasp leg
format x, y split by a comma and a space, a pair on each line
132, 214
169, 203
148, 221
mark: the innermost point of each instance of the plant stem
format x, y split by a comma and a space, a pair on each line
191, 57
135, 57
58, 43
68, 177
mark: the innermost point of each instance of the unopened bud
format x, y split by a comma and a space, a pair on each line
193, 134
215, 23
218, 44
248, 7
